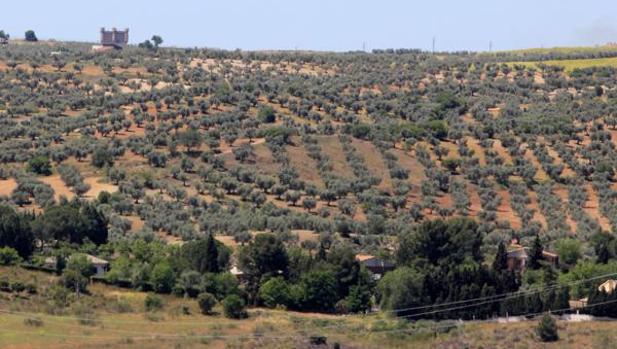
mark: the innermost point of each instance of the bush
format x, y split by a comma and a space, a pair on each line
275, 292
266, 115
206, 302
18, 287
9, 256
234, 307
547, 329
33, 322
153, 303
318, 340
40, 165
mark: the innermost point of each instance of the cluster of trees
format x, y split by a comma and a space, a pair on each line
73, 222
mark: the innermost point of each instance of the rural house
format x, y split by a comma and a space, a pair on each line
517, 256
101, 265
607, 287
375, 265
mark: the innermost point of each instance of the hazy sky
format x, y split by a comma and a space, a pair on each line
323, 24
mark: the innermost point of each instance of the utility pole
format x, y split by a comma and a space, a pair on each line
433, 51
364, 46
490, 46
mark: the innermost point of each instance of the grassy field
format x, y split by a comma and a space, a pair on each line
98, 320
560, 50
570, 65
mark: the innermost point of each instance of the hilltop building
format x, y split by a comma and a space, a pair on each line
112, 39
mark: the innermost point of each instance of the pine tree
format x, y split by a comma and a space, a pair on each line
535, 255
212, 263
562, 299
547, 329
501, 258
603, 253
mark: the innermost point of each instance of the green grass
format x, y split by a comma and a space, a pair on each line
570, 65
560, 50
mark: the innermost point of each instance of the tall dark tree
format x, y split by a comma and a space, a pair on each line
202, 255
212, 263
15, 231
501, 258
535, 255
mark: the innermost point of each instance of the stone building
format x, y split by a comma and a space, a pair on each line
114, 38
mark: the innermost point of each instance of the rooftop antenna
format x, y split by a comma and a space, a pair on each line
433, 51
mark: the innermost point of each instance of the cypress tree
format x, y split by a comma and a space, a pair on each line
501, 258
547, 329
212, 263
535, 255
603, 253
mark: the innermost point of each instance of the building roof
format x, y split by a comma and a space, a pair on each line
364, 257
96, 260
608, 286
372, 261
236, 271
92, 259
549, 254
517, 251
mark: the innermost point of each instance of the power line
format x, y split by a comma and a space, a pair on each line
483, 301
493, 320
159, 336
505, 295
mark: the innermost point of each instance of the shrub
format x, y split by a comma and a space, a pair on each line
206, 302
318, 340
18, 287
153, 303
40, 165
275, 292
9, 256
234, 307
33, 322
266, 114
547, 329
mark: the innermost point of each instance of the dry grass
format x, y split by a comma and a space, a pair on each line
374, 162
306, 167
7, 186
60, 189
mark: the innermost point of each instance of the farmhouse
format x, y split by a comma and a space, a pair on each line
517, 257
375, 265
4, 41
101, 265
112, 39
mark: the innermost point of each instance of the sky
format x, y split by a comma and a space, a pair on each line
326, 25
